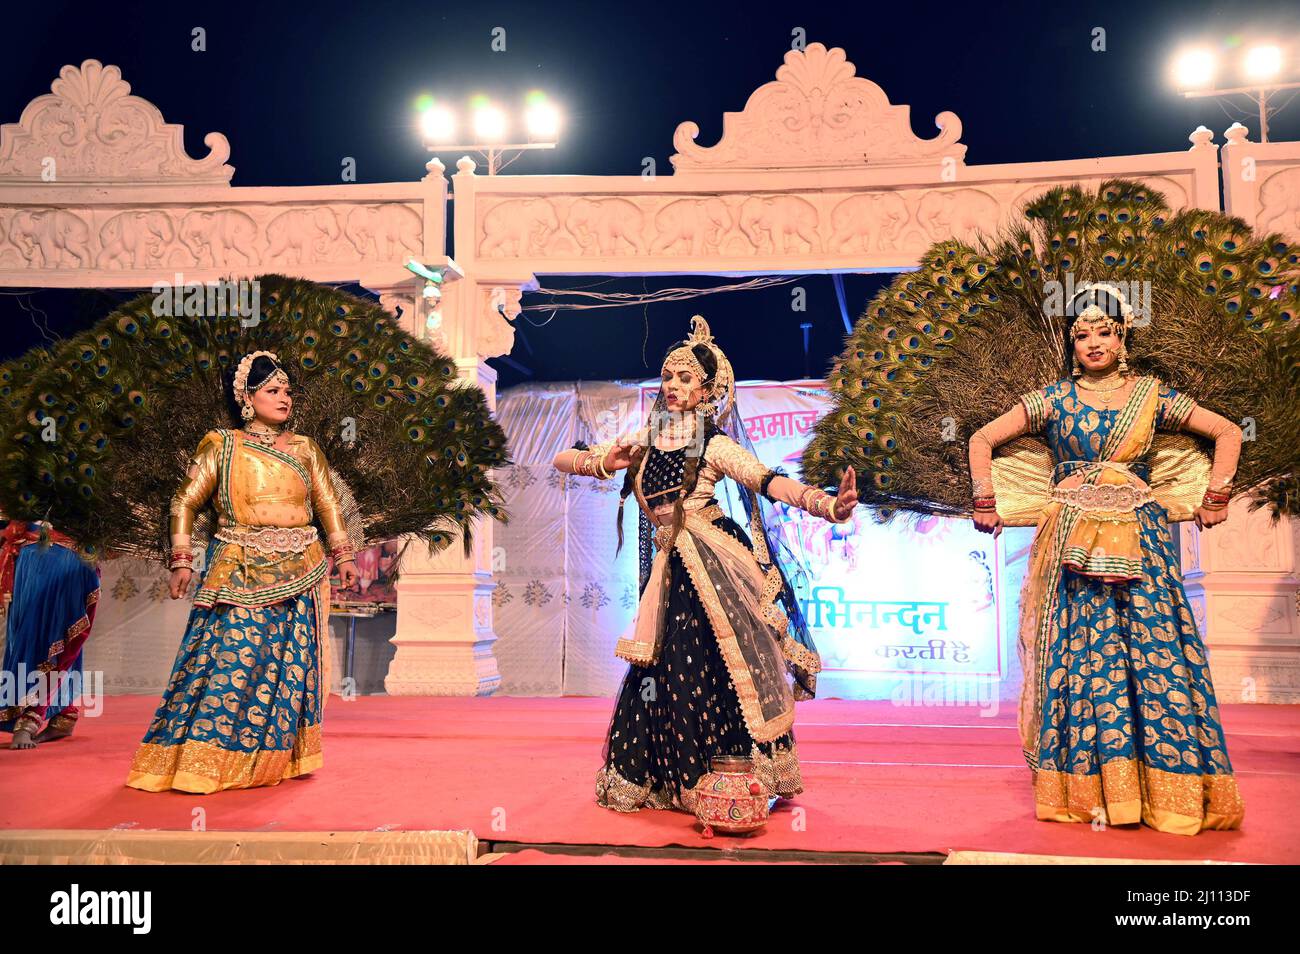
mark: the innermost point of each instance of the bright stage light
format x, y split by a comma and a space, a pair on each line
1194, 69
541, 117
438, 124
489, 124
1262, 63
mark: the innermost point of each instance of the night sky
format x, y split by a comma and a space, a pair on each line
296, 90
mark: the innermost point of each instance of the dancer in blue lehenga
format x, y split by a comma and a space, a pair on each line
247, 694
1118, 715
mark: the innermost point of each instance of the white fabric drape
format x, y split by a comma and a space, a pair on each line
562, 597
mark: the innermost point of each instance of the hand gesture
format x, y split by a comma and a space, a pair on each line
988, 521
1206, 518
179, 584
622, 455
847, 497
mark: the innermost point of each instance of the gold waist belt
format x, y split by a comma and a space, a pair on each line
663, 531
269, 539
1117, 497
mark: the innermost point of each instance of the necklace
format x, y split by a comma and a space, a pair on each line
674, 428
267, 436
1103, 392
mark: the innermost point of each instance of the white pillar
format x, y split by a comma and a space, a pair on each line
1241, 580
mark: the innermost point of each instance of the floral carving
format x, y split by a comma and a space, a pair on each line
89, 129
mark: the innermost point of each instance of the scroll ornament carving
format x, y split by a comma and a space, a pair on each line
818, 113
90, 129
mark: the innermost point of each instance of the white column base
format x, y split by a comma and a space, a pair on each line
444, 646
1241, 583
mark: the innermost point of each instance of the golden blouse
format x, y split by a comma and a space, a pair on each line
253, 487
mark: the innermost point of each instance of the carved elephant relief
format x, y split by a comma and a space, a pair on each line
212, 236
57, 236
957, 213
135, 239
699, 223
608, 224
384, 231
869, 223
301, 235
780, 223
518, 227
1279, 204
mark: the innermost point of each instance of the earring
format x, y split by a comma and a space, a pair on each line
1074, 365
246, 412
1123, 358
708, 408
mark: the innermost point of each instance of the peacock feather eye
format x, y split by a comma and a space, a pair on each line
338, 328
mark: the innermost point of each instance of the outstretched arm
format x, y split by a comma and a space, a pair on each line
1227, 451
1014, 423
746, 469
603, 459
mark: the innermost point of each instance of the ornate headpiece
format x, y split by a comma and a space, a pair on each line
1094, 311
241, 388
720, 395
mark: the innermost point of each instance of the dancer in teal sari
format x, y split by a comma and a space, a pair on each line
1118, 714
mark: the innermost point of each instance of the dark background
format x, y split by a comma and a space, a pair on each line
297, 88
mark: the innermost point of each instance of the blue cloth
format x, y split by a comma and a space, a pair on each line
51, 587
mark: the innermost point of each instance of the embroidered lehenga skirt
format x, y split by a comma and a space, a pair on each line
244, 704
672, 716
1131, 730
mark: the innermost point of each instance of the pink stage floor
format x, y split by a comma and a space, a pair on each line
878, 779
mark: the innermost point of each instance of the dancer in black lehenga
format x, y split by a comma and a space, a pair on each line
718, 631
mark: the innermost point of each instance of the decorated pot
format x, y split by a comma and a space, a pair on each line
730, 798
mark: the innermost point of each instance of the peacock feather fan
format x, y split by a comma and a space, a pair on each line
945, 349
101, 435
